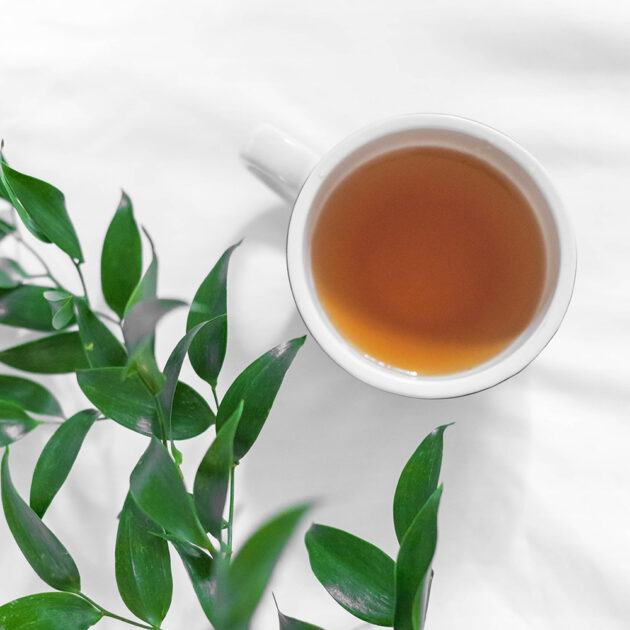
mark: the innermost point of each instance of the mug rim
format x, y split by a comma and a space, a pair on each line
390, 379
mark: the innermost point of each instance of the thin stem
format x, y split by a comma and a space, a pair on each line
109, 318
52, 421
107, 613
162, 421
216, 398
230, 515
85, 293
42, 262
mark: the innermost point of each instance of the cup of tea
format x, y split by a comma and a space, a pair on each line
429, 255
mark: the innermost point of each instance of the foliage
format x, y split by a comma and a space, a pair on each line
113, 359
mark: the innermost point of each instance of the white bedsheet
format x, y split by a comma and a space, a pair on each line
157, 97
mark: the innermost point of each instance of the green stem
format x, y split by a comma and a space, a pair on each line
85, 293
107, 613
216, 398
230, 514
41, 261
162, 420
109, 318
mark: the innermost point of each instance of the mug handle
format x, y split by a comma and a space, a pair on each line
278, 160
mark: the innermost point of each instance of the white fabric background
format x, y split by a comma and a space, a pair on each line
157, 97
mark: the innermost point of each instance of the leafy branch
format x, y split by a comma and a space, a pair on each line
118, 373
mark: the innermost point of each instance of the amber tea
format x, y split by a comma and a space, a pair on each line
428, 259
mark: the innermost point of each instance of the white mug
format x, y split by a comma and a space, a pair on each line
305, 179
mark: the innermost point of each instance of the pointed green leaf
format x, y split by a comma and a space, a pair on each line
5, 228
26, 307
414, 564
101, 346
143, 363
207, 352
289, 623
213, 475
420, 602
42, 208
174, 365
257, 385
29, 395
57, 354
121, 260
40, 546
15, 423
128, 402
418, 480
57, 458
8, 280
62, 317
142, 319
139, 333
143, 565
61, 307
4, 193
49, 611
198, 565
358, 575
146, 289
7, 194
158, 489
11, 273
247, 577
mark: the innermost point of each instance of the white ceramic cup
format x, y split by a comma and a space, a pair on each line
305, 180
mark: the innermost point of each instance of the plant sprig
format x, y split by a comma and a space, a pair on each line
119, 374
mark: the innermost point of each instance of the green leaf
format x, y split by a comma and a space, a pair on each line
257, 385
5, 228
42, 208
139, 333
101, 347
64, 316
14, 423
11, 273
143, 566
247, 577
142, 319
142, 362
207, 352
418, 480
61, 307
198, 565
40, 546
213, 475
26, 307
57, 354
146, 289
414, 564
121, 260
29, 395
156, 477
49, 611
128, 402
289, 623
57, 458
174, 365
5, 193
358, 575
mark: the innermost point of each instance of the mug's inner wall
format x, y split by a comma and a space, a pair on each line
477, 147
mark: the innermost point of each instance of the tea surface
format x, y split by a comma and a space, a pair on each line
428, 259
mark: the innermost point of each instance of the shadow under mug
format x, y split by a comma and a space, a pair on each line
305, 180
